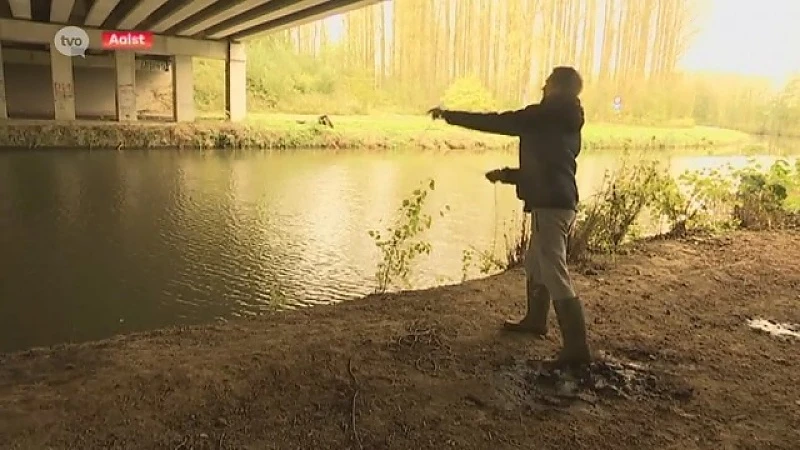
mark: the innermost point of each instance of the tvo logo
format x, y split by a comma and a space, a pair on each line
71, 41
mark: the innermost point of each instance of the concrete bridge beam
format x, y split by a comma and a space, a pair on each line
63, 85
236, 82
42, 33
256, 16
99, 12
125, 70
311, 14
182, 89
139, 13
21, 9
182, 50
183, 30
3, 102
181, 12
213, 15
60, 10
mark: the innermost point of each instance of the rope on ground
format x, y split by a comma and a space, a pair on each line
496, 220
354, 381
427, 343
183, 443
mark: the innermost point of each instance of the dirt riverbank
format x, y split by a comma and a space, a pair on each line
432, 370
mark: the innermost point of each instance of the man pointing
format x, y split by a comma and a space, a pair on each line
550, 141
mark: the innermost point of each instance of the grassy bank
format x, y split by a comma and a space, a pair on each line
281, 131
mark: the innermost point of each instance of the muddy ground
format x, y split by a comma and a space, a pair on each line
433, 370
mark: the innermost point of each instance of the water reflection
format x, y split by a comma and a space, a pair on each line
100, 243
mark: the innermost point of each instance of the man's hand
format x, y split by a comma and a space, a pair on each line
496, 175
436, 113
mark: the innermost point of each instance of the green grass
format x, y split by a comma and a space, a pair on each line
595, 135
610, 135
262, 130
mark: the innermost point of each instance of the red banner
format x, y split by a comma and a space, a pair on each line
127, 40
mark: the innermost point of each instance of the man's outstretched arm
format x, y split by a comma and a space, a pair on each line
509, 123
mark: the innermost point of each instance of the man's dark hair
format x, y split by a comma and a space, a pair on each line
568, 79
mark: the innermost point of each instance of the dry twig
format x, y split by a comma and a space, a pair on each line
356, 437
183, 443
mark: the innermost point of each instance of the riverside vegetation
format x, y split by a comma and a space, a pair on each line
368, 132
706, 201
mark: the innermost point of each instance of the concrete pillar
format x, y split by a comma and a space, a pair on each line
125, 66
182, 88
63, 85
236, 82
3, 105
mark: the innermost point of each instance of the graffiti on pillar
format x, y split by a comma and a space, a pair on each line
126, 101
152, 65
63, 90
64, 97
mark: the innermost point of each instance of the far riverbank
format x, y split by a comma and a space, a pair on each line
281, 131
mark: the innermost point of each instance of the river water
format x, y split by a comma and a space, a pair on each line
98, 243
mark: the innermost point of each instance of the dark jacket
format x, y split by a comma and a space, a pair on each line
549, 142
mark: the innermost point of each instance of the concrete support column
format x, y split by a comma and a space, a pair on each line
182, 88
125, 66
3, 104
63, 85
236, 82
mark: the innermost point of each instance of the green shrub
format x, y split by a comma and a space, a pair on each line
606, 222
468, 94
765, 199
401, 243
516, 239
708, 200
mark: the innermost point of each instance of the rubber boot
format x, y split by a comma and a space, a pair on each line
535, 320
575, 352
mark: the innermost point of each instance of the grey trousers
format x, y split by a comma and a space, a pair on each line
546, 257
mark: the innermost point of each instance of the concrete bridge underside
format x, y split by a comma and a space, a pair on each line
36, 81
